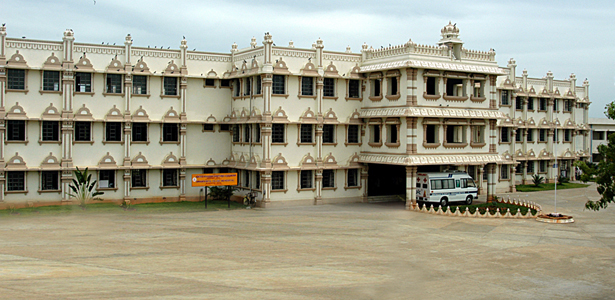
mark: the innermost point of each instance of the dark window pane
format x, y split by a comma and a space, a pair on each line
106, 179
328, 178
277, 133
170, 132
113, 132
328, 133
169, 177
278, 84
16, 79
15, 130
51, 131
83, 82
307, 86
114, 83
354, 88
277, 180
139, 132
170, 86
353, 134
51, 80
15, 181
49, 180
139, 178
139, 85
82, 131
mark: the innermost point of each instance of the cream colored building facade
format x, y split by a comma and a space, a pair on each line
299, 126
545, 118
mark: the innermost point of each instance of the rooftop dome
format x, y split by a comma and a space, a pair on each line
450, 33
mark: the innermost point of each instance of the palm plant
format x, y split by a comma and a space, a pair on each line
537, 180
83, 187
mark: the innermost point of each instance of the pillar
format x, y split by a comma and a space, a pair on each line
491, 181
364, 178
266, 188
411, 187
481, 170
513, 171
318, 196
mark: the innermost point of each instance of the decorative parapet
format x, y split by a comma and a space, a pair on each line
412, 48
477, 214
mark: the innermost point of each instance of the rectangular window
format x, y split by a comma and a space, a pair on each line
114, 83
278, 85
225, 83
530, 104
236, 136
478, 134
170, 86
277, 133
170, 132
555, 137
139, 132
83, 132
247, 133
542, 135
236, 88
542, 166
113, 131
15, 79
567, 135
210, 82
353, 134
307, 86
504, 172
353, 177
375, 87
139, 178
455, 134
454, 87
15, 181
392, 134
247, 86
208, 127
354, 88
555, 106
83, 82
530, 167
518, 103
259, 85
478, 89
106, 179
50, 131
432, 86
139, 85
505, 135
49, 181
15, 130
329, 87
51, 81
530, 135
257, 133
598, 135
328, 133
307, 133
246, 178
374, 134
306, 179
225, 127
431, 134
542, 105
277, 180
568, 105
505, 98
519, 135
169, 177
520, 168
392, 86
328, 178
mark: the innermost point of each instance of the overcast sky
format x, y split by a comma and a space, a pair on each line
559, 36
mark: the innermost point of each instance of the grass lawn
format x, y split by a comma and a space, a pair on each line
482, 207
145, 208
549, 187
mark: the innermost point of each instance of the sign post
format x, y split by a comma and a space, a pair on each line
214, 179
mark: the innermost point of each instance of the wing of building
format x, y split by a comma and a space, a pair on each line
300, 126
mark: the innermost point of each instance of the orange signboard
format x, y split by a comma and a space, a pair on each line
216, 179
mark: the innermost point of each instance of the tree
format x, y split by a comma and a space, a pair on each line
83, 187
537, 179
605, 170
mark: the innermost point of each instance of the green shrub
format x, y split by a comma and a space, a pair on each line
537, 179
562, 179
221, 193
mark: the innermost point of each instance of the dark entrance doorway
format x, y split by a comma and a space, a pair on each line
385, 180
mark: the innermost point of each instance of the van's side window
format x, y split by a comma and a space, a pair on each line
457, 183
436, 184
464, 183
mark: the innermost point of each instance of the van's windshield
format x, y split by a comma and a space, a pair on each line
467, 182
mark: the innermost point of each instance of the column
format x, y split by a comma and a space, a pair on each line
182, 184
411, 135
266, 188
491, 181
513, 171
523, 165
411, 187
318, 197
550, 149
479, 181
319, 144
364, 178
411, 87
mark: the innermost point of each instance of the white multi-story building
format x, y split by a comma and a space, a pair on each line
298, 125
601, 128
546, 119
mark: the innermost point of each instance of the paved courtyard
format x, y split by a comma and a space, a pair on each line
349, 251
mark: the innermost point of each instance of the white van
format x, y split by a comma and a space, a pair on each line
445, 187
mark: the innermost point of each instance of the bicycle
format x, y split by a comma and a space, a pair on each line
249, 199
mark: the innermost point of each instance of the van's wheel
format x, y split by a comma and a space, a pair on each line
469, 200
444, 202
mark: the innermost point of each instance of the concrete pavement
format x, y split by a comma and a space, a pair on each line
345, 251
